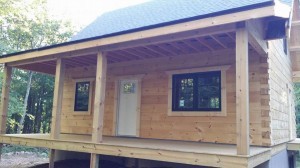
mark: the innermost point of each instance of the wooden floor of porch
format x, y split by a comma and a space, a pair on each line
194, 153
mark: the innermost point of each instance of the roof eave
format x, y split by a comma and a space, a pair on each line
264, 10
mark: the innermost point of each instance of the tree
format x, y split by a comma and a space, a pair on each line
24, 25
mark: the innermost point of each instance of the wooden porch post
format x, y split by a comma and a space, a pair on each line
57, 105
99, 104
57, 98
242, 90
4, 100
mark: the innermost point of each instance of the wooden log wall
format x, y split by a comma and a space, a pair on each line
282, 108
155, 123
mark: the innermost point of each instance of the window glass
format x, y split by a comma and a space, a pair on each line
197, 92
82, 96
129, 88
209, 92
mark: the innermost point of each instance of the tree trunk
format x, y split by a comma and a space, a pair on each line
21, 122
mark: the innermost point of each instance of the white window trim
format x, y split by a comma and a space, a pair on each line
223, 112
91, 80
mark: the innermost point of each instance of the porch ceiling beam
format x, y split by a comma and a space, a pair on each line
218, 41
69, 54
294, 48
242, 90
296, 23
156, 32
256, 35
57, 98
202, 42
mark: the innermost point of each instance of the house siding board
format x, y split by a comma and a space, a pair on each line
158, 12
155, 122
280, 80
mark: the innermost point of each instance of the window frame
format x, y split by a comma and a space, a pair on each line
91, 98
223, 111
195, 76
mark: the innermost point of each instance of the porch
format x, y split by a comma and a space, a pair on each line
218, 45
193, 153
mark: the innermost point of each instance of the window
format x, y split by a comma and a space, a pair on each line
129, 88
82, 96
197, 91
83, 89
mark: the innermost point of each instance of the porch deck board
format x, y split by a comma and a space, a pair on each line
195, 153
294, 145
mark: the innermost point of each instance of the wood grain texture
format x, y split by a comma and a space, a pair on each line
57, 98
155, 122
281, 100
193, 153
242, 91
5, 97
100, 83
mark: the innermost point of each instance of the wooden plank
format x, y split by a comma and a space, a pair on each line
99, 97
57, 98
242, 91
215, 155
256, 36
7, 71
294, 48
53, 57
296, 23
218, 41
94, 162
155, 123
171, 29
52, 158
5, 97
296, 10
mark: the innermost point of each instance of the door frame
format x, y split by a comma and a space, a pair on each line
139, 78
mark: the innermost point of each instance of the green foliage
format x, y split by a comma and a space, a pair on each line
297, 106
24, 25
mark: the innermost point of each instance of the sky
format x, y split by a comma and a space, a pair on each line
83, 12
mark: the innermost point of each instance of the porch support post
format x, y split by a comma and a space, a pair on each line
52, 158
57, 98
99, 100
4, 100
242, 90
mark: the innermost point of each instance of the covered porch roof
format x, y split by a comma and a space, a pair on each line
209, 33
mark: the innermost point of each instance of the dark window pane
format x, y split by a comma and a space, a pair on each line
197, 92
185, 93
82, 96
209, 90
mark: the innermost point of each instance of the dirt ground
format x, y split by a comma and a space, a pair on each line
32, 160
22, 160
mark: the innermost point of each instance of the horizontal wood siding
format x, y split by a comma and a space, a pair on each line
281, 99
155, 123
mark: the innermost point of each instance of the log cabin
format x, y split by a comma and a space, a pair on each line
200, 83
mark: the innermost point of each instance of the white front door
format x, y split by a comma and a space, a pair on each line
128, 107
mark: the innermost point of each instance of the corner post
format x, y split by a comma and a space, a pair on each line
5, 97
242, 90
99, 100
57, 105
57, 98
4, 100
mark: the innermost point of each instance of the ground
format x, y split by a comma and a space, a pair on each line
22, 159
